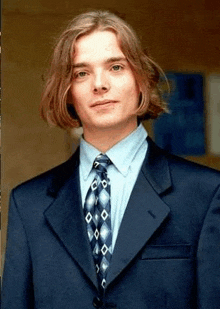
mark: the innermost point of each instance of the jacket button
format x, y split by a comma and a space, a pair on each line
97, 303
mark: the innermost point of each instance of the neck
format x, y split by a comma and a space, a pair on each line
105, 139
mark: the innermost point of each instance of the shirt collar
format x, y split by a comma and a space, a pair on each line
88, 153
121, 154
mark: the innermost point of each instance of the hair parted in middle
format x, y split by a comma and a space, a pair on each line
57, 106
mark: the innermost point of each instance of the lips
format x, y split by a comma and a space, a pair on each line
103, 102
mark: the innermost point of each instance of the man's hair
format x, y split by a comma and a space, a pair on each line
57, 106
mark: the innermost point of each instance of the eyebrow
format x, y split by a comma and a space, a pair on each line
115, 59
107, 61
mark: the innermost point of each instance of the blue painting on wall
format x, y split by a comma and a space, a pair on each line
182, 131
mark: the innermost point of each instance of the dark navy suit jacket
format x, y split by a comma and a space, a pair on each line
167, 253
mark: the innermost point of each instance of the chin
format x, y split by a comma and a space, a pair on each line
107, 125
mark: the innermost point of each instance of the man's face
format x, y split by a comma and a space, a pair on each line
104, 89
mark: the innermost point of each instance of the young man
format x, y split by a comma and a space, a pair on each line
121, 224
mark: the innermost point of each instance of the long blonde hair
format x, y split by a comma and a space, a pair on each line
57, 106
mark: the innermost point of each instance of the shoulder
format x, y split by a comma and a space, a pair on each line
49, 181
180, 162
182, 171
179, 165
191, 177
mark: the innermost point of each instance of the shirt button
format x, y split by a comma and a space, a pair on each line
97, 303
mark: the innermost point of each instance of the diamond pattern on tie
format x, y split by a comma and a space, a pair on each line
104, 232
88, 217
98, 218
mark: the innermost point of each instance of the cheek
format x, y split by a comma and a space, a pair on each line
133, 93
77, 96
128, 87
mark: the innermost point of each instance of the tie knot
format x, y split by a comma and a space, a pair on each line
101, 162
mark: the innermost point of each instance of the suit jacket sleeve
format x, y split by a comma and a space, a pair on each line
17, 289
209, 257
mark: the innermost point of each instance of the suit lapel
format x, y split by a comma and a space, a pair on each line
65, 217
145, 211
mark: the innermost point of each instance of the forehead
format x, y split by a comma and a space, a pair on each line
97, 46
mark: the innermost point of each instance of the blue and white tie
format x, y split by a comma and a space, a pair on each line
97, 211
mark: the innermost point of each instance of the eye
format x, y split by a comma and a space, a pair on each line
117, 67
80, 74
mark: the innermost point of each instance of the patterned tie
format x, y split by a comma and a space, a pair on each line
98, 218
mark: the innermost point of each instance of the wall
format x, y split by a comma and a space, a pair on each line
180, 35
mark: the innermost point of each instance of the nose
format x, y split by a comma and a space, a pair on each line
101, 83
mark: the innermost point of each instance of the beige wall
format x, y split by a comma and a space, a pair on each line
180, 35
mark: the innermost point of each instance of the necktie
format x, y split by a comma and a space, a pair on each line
98, 218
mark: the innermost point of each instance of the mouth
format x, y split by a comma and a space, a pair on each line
103, 102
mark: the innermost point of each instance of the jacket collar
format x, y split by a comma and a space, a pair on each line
156, 168
65, 215
62, 173
145, 212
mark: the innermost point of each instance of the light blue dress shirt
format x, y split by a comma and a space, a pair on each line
127, 157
